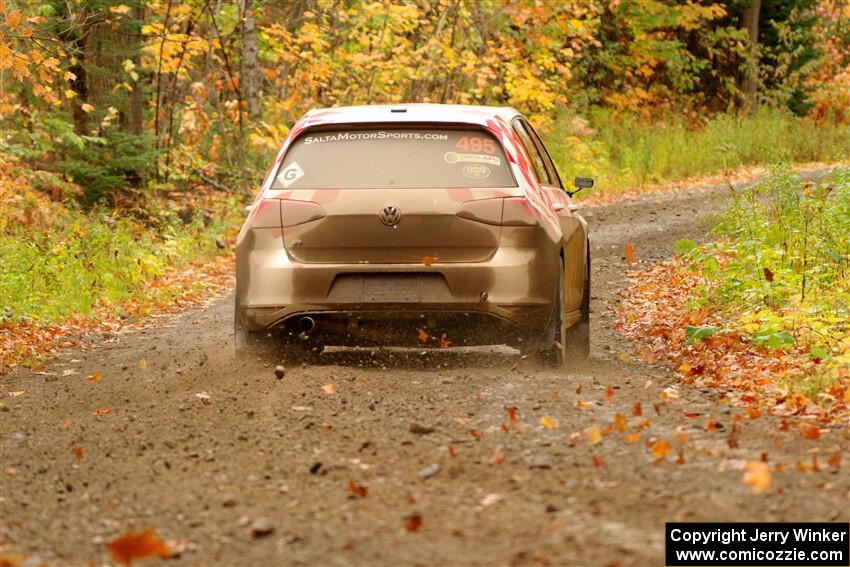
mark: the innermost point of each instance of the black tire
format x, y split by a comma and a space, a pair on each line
567, 345
553, 351
578, 336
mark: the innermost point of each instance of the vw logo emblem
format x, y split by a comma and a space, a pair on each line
390, 215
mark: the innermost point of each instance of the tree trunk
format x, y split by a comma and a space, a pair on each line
749, 21
249, 73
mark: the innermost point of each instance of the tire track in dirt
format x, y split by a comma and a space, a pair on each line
285, 450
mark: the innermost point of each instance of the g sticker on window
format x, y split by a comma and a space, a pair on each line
454, 157
290, 174
476, 171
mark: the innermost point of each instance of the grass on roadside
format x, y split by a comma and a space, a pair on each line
627, 151
764, 311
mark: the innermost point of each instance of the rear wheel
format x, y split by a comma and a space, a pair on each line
562, 344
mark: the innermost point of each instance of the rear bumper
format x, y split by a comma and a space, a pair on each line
515, 285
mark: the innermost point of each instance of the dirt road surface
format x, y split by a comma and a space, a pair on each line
203, 448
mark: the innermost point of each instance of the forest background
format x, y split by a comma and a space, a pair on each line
131, 134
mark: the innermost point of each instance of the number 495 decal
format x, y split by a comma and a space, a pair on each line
470, 143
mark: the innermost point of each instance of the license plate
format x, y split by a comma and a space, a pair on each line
390, 288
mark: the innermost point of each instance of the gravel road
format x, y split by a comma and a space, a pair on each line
247, 469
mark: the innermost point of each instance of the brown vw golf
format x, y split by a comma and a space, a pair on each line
414, 224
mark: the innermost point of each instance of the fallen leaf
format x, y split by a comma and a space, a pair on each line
329, 389
620, 423
413, 523
94, 377
680, 460
811, 432
143, 363
609, 394
131, 546
681, 438
67, 424
357, 489
632, 437
637, 411
659, 450
629, 253
444, 342
753, 413
491, 499
548, 422
78, 453
497, 457
732, 438
103, 411
598, 462
757, 476
594, 436
423, 336
835, 460
452, 452
475, 435
512, 415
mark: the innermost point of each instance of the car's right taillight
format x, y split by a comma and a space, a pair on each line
509, 211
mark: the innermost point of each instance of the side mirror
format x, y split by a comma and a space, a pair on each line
581, 183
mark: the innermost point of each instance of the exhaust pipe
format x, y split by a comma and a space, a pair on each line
307, 324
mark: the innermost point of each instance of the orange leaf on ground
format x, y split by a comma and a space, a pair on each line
609, 394
357, 489
475, 435
753, 413
598, 462
548, 422
103, 411
452, 452
681, 459
757, 476
637, 411
329, 389
659, 450
620, 423
444, 342
78, 453
414, 522
423, 336
497, 457
94, 377
512, 413
594, 436
811, 432
632, 437
67, 424
835, 460
629, 252
131, 546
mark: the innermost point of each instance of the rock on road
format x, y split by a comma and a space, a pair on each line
249, 469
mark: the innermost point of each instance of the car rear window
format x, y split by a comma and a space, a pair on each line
408, 158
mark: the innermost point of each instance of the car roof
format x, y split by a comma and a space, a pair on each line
407, 113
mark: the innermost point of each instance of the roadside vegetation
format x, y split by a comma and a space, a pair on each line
132, 133
763, 312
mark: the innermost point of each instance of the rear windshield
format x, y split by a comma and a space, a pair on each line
394, 159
